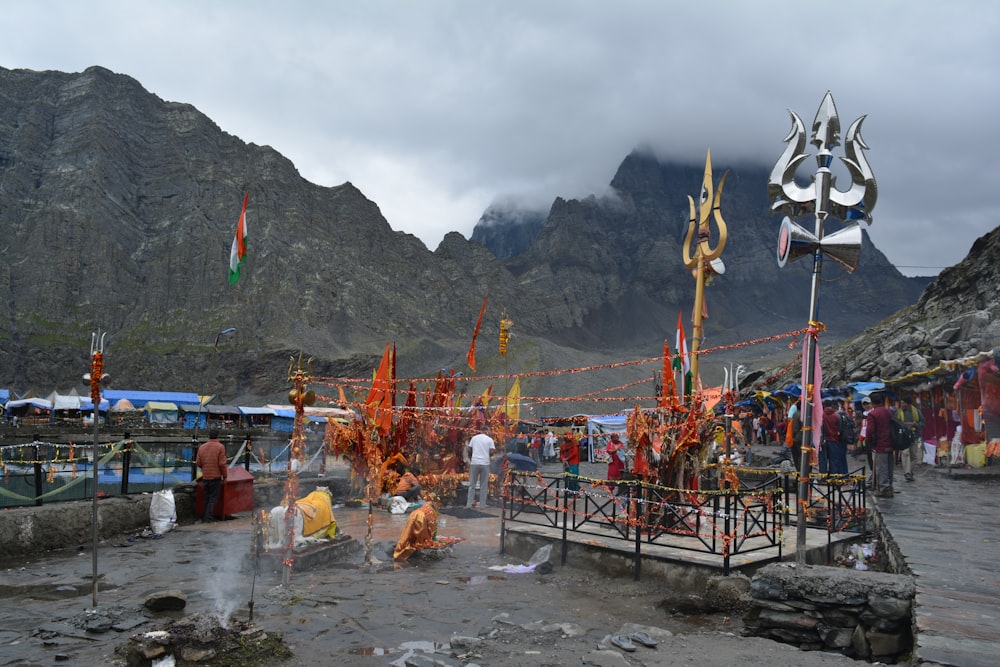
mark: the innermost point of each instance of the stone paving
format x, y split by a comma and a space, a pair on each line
946, 524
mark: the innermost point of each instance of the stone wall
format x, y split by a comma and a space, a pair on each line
862, 614
31, 531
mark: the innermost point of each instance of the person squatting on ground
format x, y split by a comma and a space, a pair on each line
910, 415
408, 486
211, 459
569, 454
481, 447
879, 438
419, 533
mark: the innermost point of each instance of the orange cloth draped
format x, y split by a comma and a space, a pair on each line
419, 532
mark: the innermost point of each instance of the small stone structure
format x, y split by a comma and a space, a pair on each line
862, 614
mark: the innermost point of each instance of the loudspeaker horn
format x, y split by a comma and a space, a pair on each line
794, 242
843, 246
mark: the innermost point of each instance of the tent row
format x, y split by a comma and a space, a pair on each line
165, 409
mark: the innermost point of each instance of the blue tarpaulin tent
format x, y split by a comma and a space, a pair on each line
139, 399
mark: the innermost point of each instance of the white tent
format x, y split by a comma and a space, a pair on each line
160, 412
123, 405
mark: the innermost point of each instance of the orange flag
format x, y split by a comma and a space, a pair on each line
471, 356
668, 390
379, 402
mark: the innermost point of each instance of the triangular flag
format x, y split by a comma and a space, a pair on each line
379, 402
512, 404
471, 356
239, 250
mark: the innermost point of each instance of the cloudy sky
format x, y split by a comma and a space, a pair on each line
436, 109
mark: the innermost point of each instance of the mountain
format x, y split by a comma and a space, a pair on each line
618, 260
117, 210
507, 230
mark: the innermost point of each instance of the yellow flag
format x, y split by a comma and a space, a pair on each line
512, 404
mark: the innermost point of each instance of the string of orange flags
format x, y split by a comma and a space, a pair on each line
366, 383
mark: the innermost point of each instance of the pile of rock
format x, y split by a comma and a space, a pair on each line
862, 614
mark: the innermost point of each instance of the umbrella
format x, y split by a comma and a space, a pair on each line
516, 461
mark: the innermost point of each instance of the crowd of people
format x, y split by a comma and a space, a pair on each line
863, 429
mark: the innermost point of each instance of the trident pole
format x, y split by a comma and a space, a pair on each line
843, 246
704, 257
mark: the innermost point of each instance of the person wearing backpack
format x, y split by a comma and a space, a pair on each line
879, 439
914, 420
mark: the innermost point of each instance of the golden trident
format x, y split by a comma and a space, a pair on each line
704, 256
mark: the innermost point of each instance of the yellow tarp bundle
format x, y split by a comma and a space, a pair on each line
317, 514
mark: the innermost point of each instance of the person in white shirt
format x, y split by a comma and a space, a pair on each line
482, 448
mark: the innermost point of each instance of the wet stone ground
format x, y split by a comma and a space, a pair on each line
450, 609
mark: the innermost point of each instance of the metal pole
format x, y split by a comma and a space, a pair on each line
93, 597
95, 378
37, 466
699, 301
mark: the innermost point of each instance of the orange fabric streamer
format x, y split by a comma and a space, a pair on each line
470, 358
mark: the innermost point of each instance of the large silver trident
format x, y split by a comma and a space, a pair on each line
843, 246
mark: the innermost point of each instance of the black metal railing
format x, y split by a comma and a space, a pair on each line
739, 518
720, 522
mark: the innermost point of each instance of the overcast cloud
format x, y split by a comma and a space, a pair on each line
436, 109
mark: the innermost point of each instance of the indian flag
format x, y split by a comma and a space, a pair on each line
239, 250
682, 362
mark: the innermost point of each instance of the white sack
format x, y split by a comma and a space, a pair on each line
162, 512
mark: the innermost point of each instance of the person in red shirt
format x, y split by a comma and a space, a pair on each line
616, 462
211, 458
569, 453
879, 440
536, 448
833, 454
